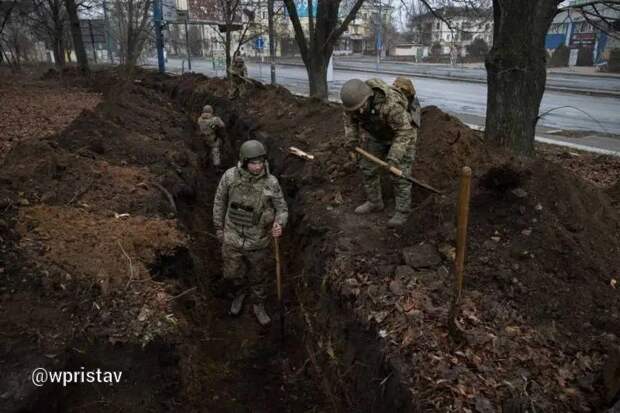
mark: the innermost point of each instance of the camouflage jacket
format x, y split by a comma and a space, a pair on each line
387, 120
239, 69
246, 207
209, 126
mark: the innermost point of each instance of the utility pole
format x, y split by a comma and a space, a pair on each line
159, 36
106, 22
379, 45
189, 53
272, 41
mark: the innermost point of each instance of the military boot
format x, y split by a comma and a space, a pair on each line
397, 220
237, 304
368, 207
261, 315
215, 156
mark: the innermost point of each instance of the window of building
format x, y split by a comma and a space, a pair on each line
438, 25
583, 27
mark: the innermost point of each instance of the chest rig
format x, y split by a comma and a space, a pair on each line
245, 199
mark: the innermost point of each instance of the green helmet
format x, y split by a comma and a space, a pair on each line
250, 150
354, 94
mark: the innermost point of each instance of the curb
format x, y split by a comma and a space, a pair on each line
590, 92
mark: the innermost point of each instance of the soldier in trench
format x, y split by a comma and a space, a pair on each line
377, 118
248, 210
212, 128
238, 73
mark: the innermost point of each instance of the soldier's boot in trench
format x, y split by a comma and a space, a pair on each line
237, 304
215, 156
398, 220
368, 207
261, 315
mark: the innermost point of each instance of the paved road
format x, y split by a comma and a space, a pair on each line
593, 83
466, 100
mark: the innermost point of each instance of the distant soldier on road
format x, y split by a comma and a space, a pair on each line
238, 73
212, 128
379, 110
248, 210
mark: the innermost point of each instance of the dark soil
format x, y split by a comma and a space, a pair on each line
365, 307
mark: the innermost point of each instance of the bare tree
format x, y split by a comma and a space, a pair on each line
48, 20
16, 44
516, 67
76, 34
316, 44
133, 28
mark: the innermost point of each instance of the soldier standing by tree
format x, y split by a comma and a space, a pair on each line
238, 73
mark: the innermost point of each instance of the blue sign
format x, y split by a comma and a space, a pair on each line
260, 43
302, 8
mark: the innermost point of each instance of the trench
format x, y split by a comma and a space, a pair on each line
325, 359
246, 367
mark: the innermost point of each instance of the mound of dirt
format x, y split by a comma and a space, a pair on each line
36, 110
543, 249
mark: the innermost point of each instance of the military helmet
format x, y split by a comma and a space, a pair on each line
354, 94
405, 85
250, 150
207, 109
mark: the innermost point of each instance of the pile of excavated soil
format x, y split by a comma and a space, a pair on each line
37, 109
541, 308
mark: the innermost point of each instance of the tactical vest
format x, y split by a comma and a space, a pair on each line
245, 200
373, 121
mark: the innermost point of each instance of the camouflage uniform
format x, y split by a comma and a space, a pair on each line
391, 136
245, 209
210, 125
237, 84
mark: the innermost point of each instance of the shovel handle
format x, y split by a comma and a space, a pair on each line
276, 245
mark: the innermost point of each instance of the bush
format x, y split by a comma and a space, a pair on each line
436, 49
477, 49
560, 56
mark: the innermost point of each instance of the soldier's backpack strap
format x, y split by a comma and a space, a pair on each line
416, 113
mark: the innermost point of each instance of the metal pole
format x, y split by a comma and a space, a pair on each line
379, 39
272, 42
189, 57
159, 37
92, 39
107, 31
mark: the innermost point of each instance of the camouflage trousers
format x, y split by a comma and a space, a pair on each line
372, 175
236, 87
248, 271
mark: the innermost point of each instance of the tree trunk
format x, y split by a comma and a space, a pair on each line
516, 72
76, 34
317, 77
59, 54
227, 50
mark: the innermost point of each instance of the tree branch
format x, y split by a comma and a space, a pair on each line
299, 32
337, 32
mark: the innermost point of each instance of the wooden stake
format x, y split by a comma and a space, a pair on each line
459, 262
276, 245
